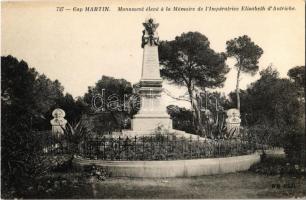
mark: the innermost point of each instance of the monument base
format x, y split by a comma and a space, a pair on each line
149, 122
144, 133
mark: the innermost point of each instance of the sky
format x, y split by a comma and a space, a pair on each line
77, 48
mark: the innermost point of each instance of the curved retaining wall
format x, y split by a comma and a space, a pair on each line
173, 168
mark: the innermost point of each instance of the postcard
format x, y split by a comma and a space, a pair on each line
165, 99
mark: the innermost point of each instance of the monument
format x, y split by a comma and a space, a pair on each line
152, 111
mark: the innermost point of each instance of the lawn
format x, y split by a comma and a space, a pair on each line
235, 185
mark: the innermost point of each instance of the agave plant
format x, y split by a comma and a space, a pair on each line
74, 135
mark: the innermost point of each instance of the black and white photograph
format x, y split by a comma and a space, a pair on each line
143, 99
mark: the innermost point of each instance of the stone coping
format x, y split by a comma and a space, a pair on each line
173, 168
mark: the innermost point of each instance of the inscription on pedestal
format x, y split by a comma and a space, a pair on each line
150, 63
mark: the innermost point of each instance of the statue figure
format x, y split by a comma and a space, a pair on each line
58, 123
150, 26
149, 34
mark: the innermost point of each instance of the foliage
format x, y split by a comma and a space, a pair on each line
74, 135
182, 118
24, 86
59, 186
101, 123
295, 146
46, 93
298, 75
266, 135
54, 89
247, 54
21, 150
213, 106
100, 173
278, 166
113, 96
276, 112
27, 100
74, 108
189, 61
22, 161
17, 99
191, 52
212, 110
59, 162
17, 80
272, 101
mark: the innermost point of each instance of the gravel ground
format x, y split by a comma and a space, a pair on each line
236, 185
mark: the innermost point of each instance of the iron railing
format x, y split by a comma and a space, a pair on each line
152, 147
162, 148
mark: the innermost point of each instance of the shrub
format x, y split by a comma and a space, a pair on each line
278, 166
101, 173
294, 146
22, 161
264, 134
74, 135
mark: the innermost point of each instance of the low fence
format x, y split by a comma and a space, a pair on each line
155, 147
161, 148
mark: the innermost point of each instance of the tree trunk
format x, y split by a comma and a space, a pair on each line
196, 113
237, 89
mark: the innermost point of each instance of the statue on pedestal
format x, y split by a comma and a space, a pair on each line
233, 123
58, 123
150, 34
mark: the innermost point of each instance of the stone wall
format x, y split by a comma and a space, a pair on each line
173, 168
